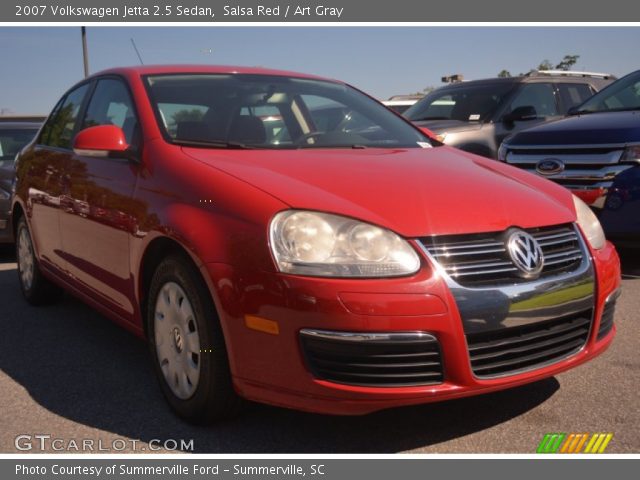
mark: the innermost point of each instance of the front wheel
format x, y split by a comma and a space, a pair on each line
36, 289
187, 345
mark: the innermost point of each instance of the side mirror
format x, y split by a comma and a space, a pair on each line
573, 110
521, 114
102, 141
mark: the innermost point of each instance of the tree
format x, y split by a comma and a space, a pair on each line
545, 65
565, 65
567, 62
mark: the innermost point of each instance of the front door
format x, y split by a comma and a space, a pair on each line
97, 226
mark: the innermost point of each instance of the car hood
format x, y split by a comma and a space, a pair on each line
441, 126
414, 192
593, 128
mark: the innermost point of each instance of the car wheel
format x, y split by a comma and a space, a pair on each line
37, 289
187, 344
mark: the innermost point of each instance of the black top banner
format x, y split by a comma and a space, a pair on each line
324, 11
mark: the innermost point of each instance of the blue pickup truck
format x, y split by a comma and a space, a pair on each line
595, 152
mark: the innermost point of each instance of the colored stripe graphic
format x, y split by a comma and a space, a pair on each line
551, 442
573, 443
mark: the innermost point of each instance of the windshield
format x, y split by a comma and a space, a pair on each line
621, 95
469, 103
265, 111
12, 141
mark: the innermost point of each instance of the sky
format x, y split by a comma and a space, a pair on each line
39, 64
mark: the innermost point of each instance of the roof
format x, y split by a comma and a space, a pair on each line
220, 69
536, 76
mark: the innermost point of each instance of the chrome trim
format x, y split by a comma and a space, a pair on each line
613, 296
571, 146
602, 174
514, 157
367, 336
492, 307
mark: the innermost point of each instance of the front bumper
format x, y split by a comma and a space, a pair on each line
269, 364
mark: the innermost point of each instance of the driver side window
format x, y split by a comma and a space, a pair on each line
540, 96
111, 104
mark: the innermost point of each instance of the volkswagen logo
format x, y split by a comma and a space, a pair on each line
525, 253
549, 166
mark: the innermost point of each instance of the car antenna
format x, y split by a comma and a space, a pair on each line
137, 52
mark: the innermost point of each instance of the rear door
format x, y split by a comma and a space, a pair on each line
47, 165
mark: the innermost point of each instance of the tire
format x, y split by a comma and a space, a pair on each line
36, 289
187, 344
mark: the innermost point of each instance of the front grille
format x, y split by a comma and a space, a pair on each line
606, 321
584, 168
375, 360
482, 259
511, 350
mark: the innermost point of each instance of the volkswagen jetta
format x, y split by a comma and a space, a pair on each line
339, 263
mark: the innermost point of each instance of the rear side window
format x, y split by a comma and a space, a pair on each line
111, 104
58, 131
573, 94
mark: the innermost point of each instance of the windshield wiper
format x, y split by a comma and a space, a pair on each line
213, 144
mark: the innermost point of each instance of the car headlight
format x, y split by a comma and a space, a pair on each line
502, 152
589, 224
325, 245
631, 154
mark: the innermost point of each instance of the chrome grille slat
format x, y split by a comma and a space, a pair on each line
563, 260
549, 243
473, 252
562, 254
542, 238
475, 245
567, 156
584, 168
483, 258
479, 265
484, 272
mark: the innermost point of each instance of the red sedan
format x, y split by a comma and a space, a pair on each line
336, 260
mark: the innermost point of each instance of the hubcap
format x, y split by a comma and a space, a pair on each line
26, 262
177, 340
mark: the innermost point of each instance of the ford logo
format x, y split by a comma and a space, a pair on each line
549, 166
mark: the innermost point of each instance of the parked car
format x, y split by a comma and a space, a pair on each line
15, 133
401, 103
477, 116
595, 153
340, 270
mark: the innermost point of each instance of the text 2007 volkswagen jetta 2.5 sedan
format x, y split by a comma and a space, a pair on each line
287, 239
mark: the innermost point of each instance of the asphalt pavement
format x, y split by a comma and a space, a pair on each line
67, 372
